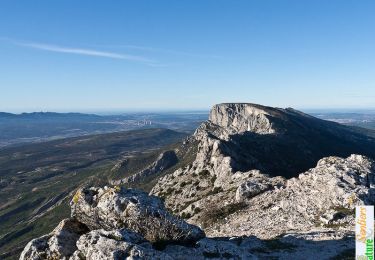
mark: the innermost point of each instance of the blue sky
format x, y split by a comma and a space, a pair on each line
157, 55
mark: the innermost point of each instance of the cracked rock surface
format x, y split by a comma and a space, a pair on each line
113, 208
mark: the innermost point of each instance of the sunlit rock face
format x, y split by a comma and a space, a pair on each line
238, 118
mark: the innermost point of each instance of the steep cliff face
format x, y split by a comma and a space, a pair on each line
239, 118
278, 142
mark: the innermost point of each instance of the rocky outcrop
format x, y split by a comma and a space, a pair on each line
323, 198
279, 142
59, 244
164, 161
190, 192
113, 223
249, 189
252, 203
115, 244
241, 117
114, 208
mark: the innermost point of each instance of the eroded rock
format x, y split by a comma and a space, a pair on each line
115, 244
323, 198
59, 244
163, 162
250, 189
242, 117
114, 208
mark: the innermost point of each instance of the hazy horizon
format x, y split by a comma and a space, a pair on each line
185, 111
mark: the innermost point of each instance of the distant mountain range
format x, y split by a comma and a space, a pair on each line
44, 126
39, 115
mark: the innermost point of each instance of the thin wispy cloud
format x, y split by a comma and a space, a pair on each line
85, 52
94, 51
160, 50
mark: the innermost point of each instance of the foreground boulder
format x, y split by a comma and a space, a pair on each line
115, 208
124, 244
115, 244
59, 244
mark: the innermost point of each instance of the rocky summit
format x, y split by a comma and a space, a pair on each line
265, 183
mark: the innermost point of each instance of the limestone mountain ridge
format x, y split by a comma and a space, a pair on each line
264, 183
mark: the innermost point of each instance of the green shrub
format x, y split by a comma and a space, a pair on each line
204, 173
185, 215
214, 213
168, 191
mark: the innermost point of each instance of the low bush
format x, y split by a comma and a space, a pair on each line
214, 213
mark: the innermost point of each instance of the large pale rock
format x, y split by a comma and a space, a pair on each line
115, 244
250, 189
59, 244
123, 244
114, 208
241, 117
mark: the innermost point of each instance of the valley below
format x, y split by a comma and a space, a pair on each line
37, 181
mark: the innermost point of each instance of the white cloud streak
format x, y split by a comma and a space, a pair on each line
167, 51
87, 52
